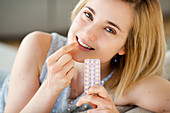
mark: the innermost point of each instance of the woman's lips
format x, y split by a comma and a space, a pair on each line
81, 47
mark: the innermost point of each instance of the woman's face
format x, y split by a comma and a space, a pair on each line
101, 29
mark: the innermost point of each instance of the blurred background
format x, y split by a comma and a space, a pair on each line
20, 17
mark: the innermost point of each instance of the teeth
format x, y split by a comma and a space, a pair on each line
81, 43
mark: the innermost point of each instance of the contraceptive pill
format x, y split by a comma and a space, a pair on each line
91, 73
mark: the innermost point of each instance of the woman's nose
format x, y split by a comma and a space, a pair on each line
90, 33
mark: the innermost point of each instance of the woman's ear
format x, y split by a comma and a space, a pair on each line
122, 51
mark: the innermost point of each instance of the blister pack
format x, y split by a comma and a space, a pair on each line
91, 73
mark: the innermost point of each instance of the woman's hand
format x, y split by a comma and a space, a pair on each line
99, 99
60, 67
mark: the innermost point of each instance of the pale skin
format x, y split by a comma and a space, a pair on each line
65, 65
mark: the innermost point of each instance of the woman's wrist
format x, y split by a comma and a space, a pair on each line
51, 91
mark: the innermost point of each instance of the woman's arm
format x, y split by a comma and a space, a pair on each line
152, 93
24, 92
24, 81
61, 69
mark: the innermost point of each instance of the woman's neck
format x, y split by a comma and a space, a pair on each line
105, 69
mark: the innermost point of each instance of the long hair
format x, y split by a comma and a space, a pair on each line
145, 46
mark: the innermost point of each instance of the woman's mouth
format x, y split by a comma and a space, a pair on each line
83, 44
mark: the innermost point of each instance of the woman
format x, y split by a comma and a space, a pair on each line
128, 38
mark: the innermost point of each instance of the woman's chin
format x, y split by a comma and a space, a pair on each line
78, 59
80, 56
76, 56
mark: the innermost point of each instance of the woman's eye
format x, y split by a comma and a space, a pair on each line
88, 15
110, 30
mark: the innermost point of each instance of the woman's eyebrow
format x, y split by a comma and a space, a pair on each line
113, 24
92, 10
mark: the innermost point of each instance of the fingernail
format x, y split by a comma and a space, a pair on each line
77, 104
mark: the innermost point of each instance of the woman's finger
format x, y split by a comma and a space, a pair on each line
93, 99
67, 67
100, 90
66, 49
71, 73
100, 111
64, 59
92, 105
56, 66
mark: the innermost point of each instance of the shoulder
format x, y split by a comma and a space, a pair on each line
38, 38
38, 42
36, 45
151, 81
151, 93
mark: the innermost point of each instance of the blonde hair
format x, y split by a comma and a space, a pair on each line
78, 7
145, 46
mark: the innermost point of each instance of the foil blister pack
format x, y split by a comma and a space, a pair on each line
91, 73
